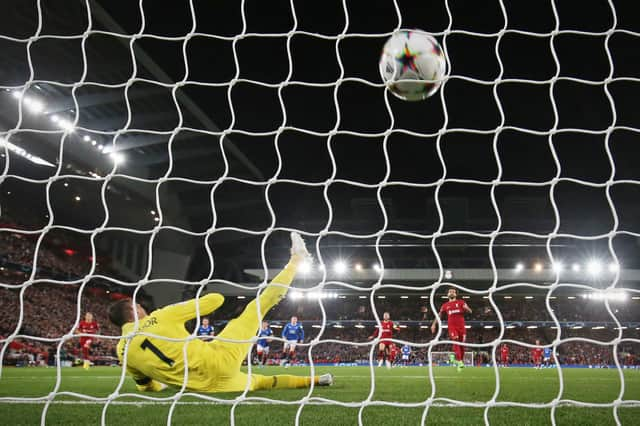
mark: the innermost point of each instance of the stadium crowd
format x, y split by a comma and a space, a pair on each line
50, 310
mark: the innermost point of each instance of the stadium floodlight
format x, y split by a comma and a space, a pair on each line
448, 274
532, 327
488, 327
511, 326
424, 326
94, 142
528, 297
404, 297
100, 147
508, 297
305, 267
153, 212
636, 297
359, 326
358, 267
296, 295
402, 326
362, 297
558, 267
614, 267
376, 267
54, 118
594, 267
598, 327
77, 198
66, 184
16, 94
33, 105
66, 125
156, 219
340, 267
316, 326
576, 267
537, 266
576, 327
117, 157
86, 138
424, 297
571, 297
382, 297
519, 267
242, 297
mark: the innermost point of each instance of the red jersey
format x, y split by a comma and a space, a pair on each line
455, 312
504, 351
386, 331
537, 353
88, 327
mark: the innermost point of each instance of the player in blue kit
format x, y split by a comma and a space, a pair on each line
293, 334
262, 346
546, 357
406, 353
205, 329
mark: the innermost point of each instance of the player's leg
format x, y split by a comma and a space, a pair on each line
259, 354
265, 355
381, 353
238, 382
387, 355
292, 354
245, 326
85, 343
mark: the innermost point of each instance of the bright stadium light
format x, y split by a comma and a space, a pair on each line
358, 267
16, 94
296, 295
359, 326
66, 125
242, 297
508, 297
528, 297
519, 267
511, 326
33, 105
537, 267
86, 138
594, 267
376, 267
448, 274
66, 184
94, 142
305, 267
77, 198
54, 118
576, 267
340, 267
362, 297
613, 267
558, 267
488, 327
404, 297
382, 297
117, 157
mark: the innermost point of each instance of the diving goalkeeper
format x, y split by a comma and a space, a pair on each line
213, 366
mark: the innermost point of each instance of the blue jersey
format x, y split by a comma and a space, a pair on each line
264, 333
406, 350
293, 332
205, 331
547, 352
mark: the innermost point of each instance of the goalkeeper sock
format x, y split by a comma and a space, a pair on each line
283, 381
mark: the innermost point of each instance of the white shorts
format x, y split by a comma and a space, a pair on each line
262, 349
290, 345
546, 358
405, 357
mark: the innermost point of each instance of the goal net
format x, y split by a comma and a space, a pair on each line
162, 152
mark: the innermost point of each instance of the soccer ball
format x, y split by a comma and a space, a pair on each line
411, 55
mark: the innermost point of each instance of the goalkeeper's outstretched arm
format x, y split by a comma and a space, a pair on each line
186, 311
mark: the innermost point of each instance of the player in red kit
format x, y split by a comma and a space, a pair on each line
455, 310
88, 326
536, 354
385, 332
504, 355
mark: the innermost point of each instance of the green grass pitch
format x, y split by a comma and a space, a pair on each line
352, 384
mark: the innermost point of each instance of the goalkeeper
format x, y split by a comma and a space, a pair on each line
213, 366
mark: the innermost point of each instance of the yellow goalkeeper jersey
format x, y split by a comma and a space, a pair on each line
154, 358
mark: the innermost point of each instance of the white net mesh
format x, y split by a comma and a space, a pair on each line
494, 30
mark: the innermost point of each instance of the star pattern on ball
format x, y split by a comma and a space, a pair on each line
407, 58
